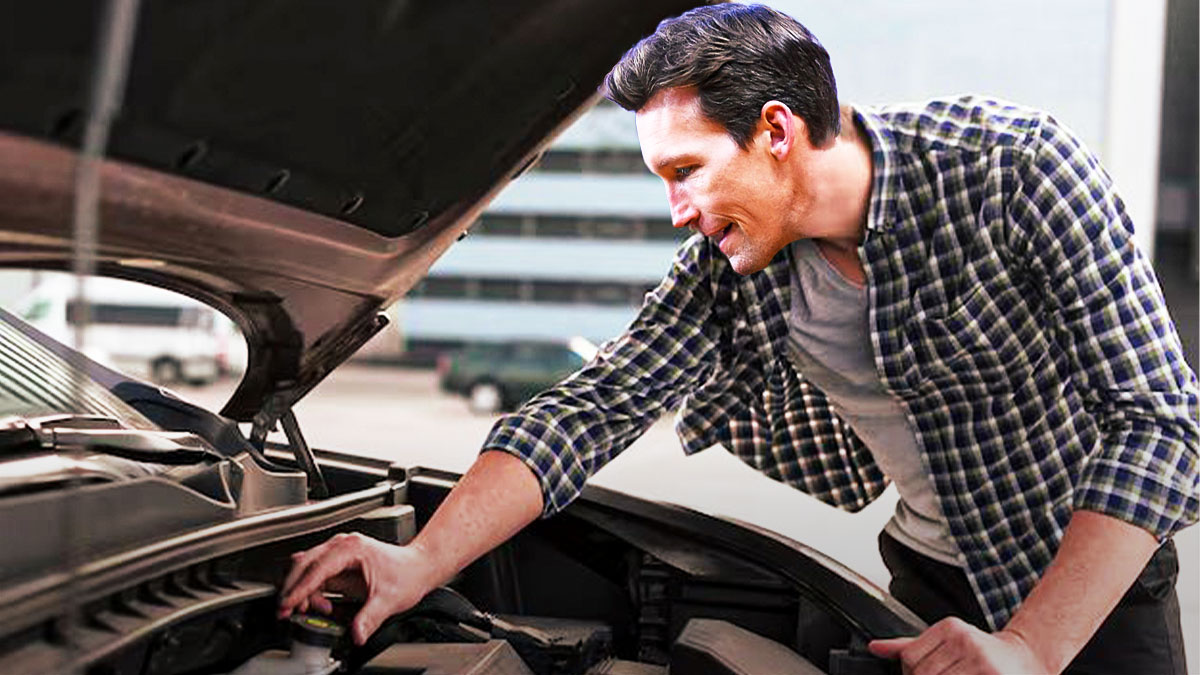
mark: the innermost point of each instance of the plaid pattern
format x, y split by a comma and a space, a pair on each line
1012, 314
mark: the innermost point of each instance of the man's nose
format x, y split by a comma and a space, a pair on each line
683, 213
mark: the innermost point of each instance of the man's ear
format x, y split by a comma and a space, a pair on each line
781, 128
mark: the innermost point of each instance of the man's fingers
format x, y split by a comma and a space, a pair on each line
938, 661
300, 562
933, 639
321, 603
934, 651
890, 648
909, 650
294, 570
315, 574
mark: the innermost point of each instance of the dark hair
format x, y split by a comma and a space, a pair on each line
738, 57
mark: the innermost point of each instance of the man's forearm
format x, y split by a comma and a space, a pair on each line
1098, 560
497, 497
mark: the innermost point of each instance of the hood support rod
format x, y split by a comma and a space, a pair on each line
265, 421
304, 457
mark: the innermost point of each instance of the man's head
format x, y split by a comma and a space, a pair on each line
736, 57
737, 112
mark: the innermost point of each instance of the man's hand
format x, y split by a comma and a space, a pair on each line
390, 578
955, 646
497, 497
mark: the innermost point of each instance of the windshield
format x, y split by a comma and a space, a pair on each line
34, 381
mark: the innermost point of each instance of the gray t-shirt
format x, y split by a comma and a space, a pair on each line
830, 344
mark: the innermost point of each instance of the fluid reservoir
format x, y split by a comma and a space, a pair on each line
312, 641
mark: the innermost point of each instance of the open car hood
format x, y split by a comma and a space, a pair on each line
299, 165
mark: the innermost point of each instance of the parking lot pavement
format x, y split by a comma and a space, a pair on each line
400, 415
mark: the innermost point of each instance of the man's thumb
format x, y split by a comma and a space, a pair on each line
367, 620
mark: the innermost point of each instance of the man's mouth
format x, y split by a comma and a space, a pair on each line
719, 235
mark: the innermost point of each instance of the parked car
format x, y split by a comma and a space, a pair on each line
497, 376
298, 167
138, 329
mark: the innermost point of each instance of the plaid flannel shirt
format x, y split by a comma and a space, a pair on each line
1011, 313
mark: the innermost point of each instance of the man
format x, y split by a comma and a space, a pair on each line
947, 295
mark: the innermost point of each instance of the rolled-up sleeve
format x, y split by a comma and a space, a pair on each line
567, 433
1127, 359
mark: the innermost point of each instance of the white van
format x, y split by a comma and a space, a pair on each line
141, 330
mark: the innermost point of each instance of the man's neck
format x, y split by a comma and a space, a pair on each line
846, 196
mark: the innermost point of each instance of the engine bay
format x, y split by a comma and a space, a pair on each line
613, 585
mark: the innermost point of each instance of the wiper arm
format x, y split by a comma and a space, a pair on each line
18, 439
104, 435
19, 435
157, 447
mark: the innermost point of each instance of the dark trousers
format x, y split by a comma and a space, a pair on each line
1142, 636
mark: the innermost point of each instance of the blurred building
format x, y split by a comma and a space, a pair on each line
569, 249
1177, 237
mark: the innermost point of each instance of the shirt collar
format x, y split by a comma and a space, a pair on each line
885, 183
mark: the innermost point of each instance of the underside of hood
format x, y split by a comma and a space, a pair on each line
299, 164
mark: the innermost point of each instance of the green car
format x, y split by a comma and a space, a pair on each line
497, 376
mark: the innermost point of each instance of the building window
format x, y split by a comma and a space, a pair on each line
532, 290
661, 229
579, 227
558, 161
593, 160
444, 287
501, 225
611, 228
606, 294
499, 289
557, 226
614, 161
555, 291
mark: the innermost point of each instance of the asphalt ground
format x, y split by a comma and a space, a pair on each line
401, 415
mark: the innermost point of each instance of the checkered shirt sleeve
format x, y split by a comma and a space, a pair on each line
1128, 361
567, 433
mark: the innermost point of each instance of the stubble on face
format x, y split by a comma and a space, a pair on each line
731, 194
750, 254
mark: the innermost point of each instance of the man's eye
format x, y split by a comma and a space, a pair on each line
683, 172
